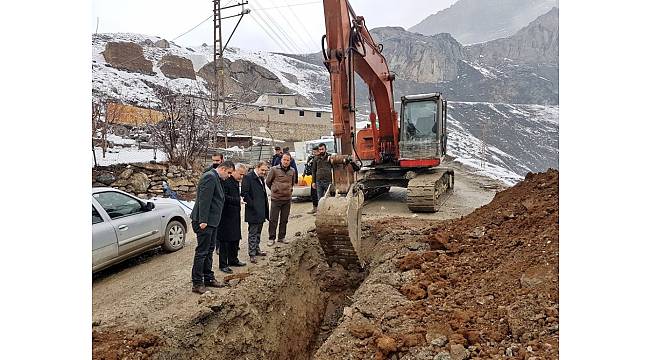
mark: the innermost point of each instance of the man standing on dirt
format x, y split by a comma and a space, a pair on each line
280, 181
229, 230
309, 171
256, 212
322, 171
206, 216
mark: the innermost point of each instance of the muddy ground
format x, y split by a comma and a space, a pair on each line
423, 287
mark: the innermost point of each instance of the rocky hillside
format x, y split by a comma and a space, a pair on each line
129, 67
537, 43
475, 21
519, 69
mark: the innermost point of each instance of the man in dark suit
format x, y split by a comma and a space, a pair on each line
253, 191
206, 216
229, 231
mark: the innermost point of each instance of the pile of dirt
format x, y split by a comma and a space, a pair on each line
484, 286
113, 344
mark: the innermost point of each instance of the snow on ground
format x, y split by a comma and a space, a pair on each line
483, 70
467, 150
126, 155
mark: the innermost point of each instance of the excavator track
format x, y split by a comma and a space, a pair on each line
338, 226
427, 191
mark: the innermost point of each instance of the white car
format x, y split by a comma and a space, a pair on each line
125, 226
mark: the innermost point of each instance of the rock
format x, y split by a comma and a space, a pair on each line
413, 292
106, 179
97, 322
362, 330
176, 183
140, 182
126, 173
436, 339
162, 43
458, 352
443, 355
347, 311
297, 234
386, 344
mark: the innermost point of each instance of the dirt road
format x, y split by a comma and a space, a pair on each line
152, 292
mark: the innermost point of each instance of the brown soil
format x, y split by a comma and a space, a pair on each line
484, 286
131, 344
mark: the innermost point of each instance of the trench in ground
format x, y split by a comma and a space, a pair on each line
283, 311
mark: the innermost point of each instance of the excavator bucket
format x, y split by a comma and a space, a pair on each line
338, 225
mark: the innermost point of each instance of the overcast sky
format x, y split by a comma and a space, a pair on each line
273, 25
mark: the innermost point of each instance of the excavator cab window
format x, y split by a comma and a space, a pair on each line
419, 120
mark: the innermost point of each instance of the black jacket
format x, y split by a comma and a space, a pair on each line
309, 165
230, 226
209, 200
254, 194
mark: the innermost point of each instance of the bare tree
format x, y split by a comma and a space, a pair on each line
183, 134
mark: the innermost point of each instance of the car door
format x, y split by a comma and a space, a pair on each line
104, 237
135, 227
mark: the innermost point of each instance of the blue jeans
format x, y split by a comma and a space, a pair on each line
321, 188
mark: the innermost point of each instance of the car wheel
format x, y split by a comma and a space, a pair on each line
174, 236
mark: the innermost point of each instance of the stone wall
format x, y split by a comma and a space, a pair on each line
146, 180
280, 130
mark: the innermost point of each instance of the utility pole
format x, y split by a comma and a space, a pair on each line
219, 93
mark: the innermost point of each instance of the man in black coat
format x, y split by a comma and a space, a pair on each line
206, 216
229, 231
253, 190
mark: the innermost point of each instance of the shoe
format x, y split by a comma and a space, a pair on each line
253, 260
283, 241
238, 263
199, 289
312, 211
214, 283
261, 253
271, 243
227, 270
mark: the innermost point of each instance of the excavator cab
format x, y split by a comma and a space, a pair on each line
422, 130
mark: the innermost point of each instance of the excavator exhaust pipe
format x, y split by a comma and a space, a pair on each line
338, 226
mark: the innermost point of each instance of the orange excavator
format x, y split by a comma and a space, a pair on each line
403, 151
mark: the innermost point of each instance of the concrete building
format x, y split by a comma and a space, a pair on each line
280, 116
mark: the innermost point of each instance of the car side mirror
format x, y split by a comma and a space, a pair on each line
149, 206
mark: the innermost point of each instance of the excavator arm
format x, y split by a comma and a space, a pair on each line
351, 49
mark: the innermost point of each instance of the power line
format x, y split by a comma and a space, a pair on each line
298, 35
188, 31
281, 30
292, 5
278, 43
286, 44
309, 36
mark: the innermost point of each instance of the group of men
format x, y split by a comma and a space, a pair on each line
216, 216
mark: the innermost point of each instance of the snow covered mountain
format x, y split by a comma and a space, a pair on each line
500, 140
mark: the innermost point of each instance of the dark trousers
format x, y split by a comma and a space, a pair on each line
254, 233
279, 209
314, 197
228, 253
206, 242
321, 188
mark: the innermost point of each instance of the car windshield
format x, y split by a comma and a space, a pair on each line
117, 204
